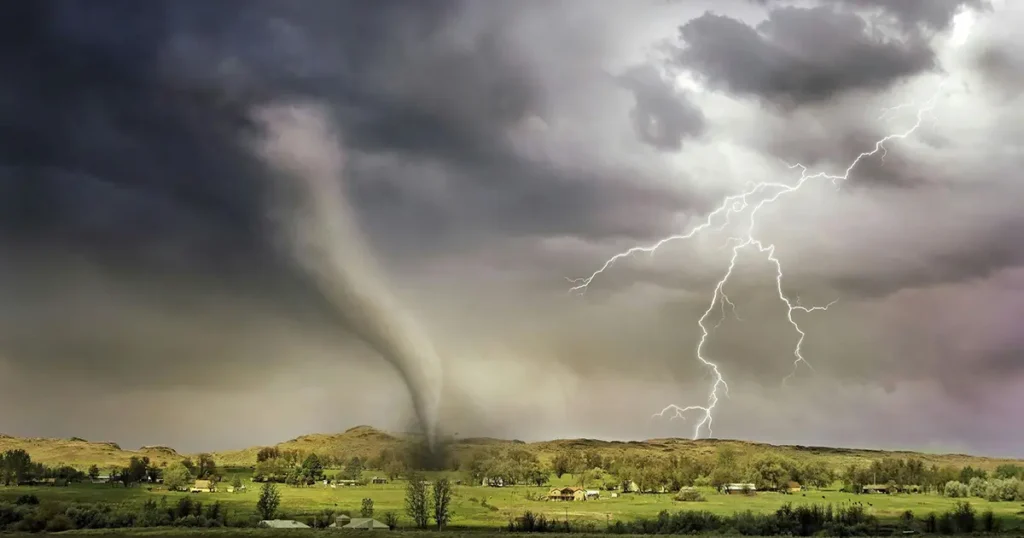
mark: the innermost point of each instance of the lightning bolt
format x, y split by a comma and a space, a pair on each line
754, 197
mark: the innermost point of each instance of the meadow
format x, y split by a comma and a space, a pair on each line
480, 507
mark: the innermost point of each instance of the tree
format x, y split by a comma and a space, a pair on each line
416, 500
268, 502
237, 484
354, 469
394, 468
391, 520
16, 466
442, 502
94, 472
177, 476
312, 468
1009, 470
367, 508
267, 453
726, 467
136, 470
566, 462
769, 471
207, 468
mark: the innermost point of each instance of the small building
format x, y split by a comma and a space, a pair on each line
592, 494
378, 480
365, 523
282, 524
567, 494
739, 489
876, 488
791, 487
630, 487
203, 486
344, 482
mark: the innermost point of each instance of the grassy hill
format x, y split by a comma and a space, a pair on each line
81, 453
365, 441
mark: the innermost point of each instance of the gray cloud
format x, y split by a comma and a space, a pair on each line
489, 157
798, 55
910, 14
662, 116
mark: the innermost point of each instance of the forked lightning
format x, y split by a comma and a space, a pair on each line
755, 197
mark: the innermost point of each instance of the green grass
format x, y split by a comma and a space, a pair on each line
483, 507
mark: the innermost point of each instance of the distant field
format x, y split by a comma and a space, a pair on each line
483, 507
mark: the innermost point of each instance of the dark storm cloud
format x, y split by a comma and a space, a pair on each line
121, 148
662, 116
798, 55
911, 14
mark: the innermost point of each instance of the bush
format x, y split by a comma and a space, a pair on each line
809, 520
955, 489
30, 499
989, 523
964, 517
689, 495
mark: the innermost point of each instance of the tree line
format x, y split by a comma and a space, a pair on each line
17, 467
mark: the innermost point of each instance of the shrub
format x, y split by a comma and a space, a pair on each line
689, 495
955, 489
30, 499
964, 517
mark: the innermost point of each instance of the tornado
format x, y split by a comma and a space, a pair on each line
322, 235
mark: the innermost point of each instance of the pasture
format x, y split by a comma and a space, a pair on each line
479, 507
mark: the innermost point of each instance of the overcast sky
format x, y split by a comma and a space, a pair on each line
490, 151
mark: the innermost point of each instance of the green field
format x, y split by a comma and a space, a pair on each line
485, 507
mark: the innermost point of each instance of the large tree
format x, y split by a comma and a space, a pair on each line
177, 476
442, 502
268, 502
416, 502
15, 466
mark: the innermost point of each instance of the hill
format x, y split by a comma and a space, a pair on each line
80, 453
367, 442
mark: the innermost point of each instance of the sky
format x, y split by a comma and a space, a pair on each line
233, 223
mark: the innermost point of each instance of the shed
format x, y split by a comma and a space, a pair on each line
791, 487
366, 523
282, 524
740, 488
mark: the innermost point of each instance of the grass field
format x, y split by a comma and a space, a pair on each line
484, 507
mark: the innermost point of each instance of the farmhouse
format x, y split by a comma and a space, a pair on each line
734, 489
593, 494
495, 482
378, 480
567, 494
203, 486
791, 487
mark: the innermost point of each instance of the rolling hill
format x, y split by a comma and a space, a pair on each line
365, 442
